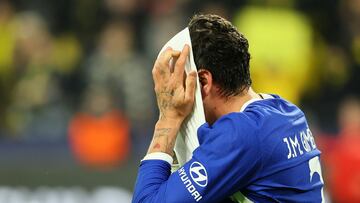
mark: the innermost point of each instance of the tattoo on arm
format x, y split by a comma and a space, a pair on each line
162, 132
164, 136
157, 146
165, 104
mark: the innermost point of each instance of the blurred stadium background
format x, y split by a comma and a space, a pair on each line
76, 102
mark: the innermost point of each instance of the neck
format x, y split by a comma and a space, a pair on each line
225, 106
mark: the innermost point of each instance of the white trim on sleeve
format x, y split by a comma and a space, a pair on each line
159, 156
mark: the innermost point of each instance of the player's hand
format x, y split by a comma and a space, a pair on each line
175, 91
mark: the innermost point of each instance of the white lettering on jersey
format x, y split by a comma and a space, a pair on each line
296, 149
188, 184
295, 146
288, 145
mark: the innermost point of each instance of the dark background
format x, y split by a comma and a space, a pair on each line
63, 59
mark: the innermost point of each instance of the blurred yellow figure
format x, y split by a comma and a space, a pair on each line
281, 45
7, 37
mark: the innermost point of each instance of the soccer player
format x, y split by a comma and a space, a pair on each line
256, 144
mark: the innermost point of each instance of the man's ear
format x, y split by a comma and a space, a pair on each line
206, 82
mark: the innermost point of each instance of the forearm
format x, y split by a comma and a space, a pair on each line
175, 101
165, 135
154, 172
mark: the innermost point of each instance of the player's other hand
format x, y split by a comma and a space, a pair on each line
175, 91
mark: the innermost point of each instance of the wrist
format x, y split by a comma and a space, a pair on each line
165, 135
169, 122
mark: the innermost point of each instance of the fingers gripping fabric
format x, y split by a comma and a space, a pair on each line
187, 140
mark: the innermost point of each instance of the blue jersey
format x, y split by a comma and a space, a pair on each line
267, 152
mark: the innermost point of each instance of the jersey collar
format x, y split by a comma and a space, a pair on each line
265, 96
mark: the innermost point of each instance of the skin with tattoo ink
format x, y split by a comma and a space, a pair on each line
175, 94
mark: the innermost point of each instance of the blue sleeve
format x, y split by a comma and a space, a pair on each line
226, 161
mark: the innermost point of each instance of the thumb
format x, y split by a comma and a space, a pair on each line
190, 85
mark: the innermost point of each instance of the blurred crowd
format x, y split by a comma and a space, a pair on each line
73, 68
64, 195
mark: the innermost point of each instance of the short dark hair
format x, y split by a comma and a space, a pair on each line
222, 50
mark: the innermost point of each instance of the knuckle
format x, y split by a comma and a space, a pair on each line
165, 54
156, 88
154, 71
163, 63
180, 62
167, 51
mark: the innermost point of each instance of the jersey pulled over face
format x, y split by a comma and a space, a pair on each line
267, 152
